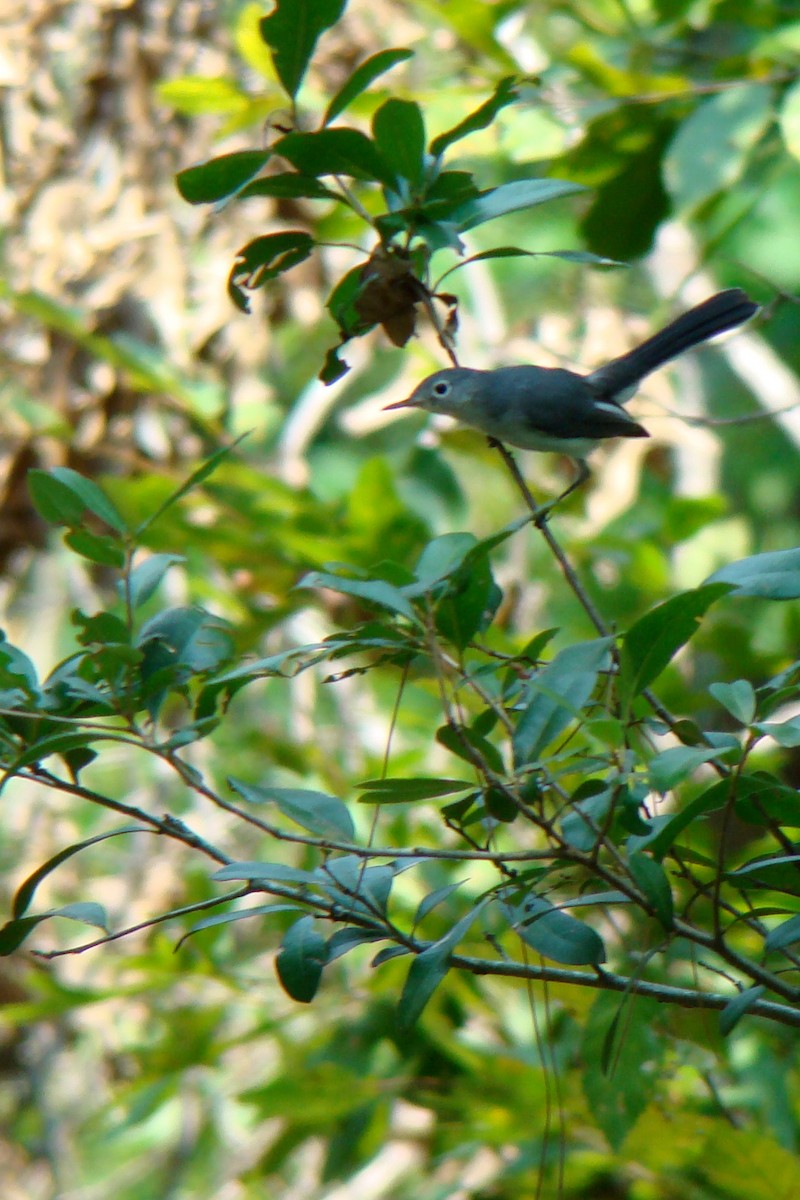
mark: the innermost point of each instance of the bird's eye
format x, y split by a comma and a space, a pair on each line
441, 388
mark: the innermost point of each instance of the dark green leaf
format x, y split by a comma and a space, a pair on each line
374, 591
237, 914
288, 185
511, 197
738, 1006
441, 558
469, 745
13, 933
402, 791
651, 643
556, 935
433, 900
26, 890
337, 152
361, 78
785, 934
620, 1049
667, 829
779, 873
504, 94
556, 696
651, 879
321, 814
301, 960
98, 548
334, 367
16, 669
62, 496
254, 871
774, 575
265, 258
291, 31
347, 938
221, 177
399, 132
429, 969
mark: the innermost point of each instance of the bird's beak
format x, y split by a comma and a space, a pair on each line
409, 402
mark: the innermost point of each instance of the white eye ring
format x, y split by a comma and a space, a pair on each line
441, 388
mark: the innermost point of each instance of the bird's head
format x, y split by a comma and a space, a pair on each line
452, 392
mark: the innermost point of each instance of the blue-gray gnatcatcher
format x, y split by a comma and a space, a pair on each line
548, 408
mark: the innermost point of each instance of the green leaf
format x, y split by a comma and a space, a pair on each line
785, 733
666, 830
85, 911
221, 177
460, 740
340, 151
399, 132
289, 185
291, 31
334, 367
362, 77
576, 256
25, 892
712, 146
13, 933
504, 94
404, 791
738, 698
98, 548
197, 477
511, 197
16, 669
146, 577
651, 643
672, 766
621, 1052
783, 935
440, 558
762, 799
429, 969
556, 695
779, 873
321, 814
302, 960
736, 1008
62, 496
264, 259
374, 591
255, 871
774, 575
651, 879
428, 903
347, 938
237, 914
555, 934
357, 889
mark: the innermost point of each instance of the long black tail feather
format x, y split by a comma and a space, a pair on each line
723, 311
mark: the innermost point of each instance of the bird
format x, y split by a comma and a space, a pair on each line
550, 408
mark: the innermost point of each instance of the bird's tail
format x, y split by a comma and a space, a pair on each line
723, 311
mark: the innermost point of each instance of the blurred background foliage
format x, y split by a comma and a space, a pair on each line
153, 1072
